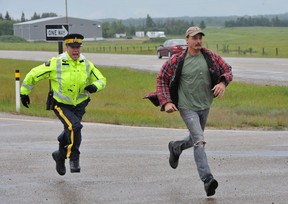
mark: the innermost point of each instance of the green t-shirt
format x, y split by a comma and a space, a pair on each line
194, 90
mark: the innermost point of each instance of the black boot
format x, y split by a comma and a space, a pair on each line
210, 186
60, 162
173, 158
74, 166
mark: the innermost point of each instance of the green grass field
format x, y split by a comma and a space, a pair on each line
269, 42
243, 106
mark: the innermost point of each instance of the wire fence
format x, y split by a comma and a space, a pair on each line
250, 51
224, 49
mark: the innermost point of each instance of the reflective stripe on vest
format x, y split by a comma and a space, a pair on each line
27, 86
59, 94
101, 82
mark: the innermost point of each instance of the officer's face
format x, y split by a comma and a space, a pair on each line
73, 51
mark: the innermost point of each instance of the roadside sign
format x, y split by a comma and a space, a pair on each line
56, 32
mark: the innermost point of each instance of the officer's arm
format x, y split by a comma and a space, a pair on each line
34, 76
97, 79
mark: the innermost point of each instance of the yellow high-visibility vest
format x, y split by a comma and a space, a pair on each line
68, 78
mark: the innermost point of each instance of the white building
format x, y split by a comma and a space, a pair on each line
140, 34
156, 34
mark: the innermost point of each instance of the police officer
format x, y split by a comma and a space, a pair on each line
73, 78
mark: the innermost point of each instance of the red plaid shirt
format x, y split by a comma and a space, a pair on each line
219, 70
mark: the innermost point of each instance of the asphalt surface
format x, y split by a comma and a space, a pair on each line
252, 70
122, 164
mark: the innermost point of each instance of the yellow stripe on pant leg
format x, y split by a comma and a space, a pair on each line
69, 128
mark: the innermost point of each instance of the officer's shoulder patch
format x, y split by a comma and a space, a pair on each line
47, 64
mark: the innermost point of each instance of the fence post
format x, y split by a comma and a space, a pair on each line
17, 90
276, 51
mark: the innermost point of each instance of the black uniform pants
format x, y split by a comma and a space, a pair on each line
70, 138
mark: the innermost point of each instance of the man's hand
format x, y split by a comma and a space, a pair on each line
170, 108
219, 89
25, 100
91, 88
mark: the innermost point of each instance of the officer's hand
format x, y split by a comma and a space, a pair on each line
91, 88
25, 100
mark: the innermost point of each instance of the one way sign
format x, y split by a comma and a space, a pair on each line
56, 32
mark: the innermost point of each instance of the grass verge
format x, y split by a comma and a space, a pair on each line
267, 42
244, 105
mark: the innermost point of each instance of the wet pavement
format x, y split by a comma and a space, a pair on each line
121, 164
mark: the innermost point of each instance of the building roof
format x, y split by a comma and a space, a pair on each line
49, 19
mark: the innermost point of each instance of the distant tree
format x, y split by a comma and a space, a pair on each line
107, 30
45, 15
275, 21
6, 27
1, 17
7, 16
202, 25
192, 24
118, 27
149, 22
256, 21
35, 16
131, 30
176, 26
229, 23
23, 17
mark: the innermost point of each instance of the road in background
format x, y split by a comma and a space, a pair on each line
255, 70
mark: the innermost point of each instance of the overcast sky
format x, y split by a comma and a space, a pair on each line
124, 9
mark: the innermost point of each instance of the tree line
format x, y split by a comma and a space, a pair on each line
257, 21
6, 21
171, 26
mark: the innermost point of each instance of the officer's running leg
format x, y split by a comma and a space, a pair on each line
72, 135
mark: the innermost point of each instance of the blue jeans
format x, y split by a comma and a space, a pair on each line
195, 122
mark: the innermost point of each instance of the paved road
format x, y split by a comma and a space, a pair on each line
130, 165
256, 70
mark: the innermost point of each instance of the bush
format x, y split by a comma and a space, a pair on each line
11, 38
156, 40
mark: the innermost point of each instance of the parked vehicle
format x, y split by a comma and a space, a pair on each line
171, 47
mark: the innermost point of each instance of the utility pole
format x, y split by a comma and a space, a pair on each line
66, 11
